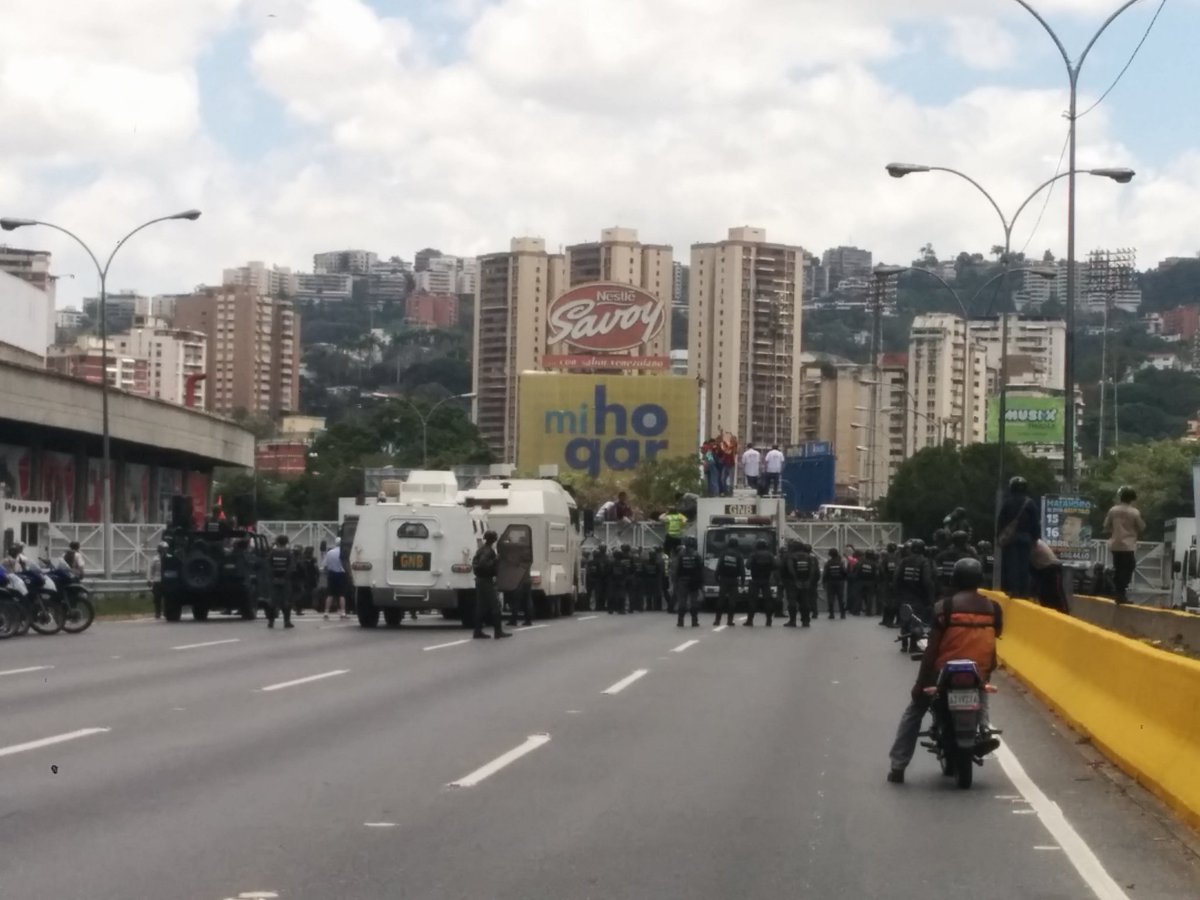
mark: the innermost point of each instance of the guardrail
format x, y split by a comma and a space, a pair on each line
1136, 703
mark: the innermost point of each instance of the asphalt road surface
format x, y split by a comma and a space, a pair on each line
594, 757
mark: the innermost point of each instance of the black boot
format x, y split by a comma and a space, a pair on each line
695, 620
481, 635
502, 634
791, 622
679, 621
768, 621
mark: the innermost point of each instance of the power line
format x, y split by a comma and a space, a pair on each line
1049, 192
1132, 57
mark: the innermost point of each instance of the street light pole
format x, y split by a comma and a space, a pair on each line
1073, 70
425, 421
190, 215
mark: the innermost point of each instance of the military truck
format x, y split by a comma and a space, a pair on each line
213, 566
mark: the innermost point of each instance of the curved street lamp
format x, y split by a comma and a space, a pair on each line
10, 224
425, 417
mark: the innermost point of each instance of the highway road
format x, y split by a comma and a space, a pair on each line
593, 757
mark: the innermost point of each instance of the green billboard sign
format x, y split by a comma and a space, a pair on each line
1028, 419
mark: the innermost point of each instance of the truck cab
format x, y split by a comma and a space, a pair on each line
746, 518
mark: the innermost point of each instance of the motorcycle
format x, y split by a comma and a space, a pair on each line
39, 602
11, 614
957, 736
78, 610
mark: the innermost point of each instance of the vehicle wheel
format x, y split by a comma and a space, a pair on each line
393, 617
79, 614
172, 609
47, 617
367, 611
947, 762
964, 769
200, 572
10, 619
200, 612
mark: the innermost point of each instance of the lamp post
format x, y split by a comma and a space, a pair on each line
1119, 175
427, 416
1073, 70
190, 215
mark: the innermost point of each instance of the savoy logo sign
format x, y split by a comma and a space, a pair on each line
605, 318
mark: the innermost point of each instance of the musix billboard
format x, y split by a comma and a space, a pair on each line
1030, 419
604, 425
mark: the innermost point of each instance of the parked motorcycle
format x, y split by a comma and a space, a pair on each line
78, 609
11, 614
957, 736
39, 603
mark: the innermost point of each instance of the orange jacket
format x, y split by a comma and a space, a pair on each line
965, 626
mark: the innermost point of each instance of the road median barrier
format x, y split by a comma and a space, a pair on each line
1138, 705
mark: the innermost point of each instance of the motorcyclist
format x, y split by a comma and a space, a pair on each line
687, 575
965, 626
762, 565
914, 585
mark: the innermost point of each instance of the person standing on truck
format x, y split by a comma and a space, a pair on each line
283, 566
687, 572
486, 566
335, 581
774, 464
836, 579
731, 572
762, 566
675, 521
751, 465
154, 578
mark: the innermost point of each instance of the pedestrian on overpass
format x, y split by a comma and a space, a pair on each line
1019, 529
486, 566
335, 581
1124, 525
687, 573
836, 579
283, 566
731, 572
762, 566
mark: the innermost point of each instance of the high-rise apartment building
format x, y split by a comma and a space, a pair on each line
512, 294
32, 266
1036, 349
275, 281
120, 309
422, 258
84, 359
344, 262
845, 263
172, 355
949, 380
679, 288
431, 310
253, 349
744, 327
323, 287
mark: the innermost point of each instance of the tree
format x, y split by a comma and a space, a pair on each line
938, 479
657, 482
1160, 472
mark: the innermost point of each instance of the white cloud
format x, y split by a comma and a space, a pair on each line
678, 117
979, 43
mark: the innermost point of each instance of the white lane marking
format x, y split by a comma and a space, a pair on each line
486, 771
532, 627
450, 644
207, 644
1009, 797
625, 682
257, 895
684, 646
1023, 812
719, 629
51, 741
1086, 863
23, 671
1046, 847
380, 824
586, 618
310, 678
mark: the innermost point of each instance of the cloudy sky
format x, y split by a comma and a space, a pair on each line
307, 125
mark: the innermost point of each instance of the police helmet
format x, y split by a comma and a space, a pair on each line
806, 547
794, 546
1018, 485
941, 537
761, 545
891, 547
967, 575
625, 548
490, 537
733, 545
282, 540
983, 547
690, 542
602, 549
872, 554
917, 546
18, 547
959, 539
162, 547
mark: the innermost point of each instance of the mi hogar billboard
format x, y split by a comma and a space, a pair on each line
601, 425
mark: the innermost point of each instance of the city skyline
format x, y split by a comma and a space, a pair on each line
439, 113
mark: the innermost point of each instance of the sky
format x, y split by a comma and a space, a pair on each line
299, 126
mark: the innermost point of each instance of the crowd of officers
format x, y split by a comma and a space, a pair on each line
875, 583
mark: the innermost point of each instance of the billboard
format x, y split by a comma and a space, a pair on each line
1066, 528
604, 325
1029, 418
604, 425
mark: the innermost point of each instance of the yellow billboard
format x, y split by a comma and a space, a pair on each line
604, 425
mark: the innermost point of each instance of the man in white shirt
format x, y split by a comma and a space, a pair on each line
335, 581
774, 463
751, 461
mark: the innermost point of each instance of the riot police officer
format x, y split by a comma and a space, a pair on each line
731, 572
619, 588
651, 576
599, 568
867, 574
887, 577
486, 566
915, 586
762, 565
983, 550
957, 548
795, 575
688, 576
283, 566
836, 580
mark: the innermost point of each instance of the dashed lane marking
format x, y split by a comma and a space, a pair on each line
719, 629
308, 680
533, 627
51, 741
625, 682
207, 644
448, 644
586, 618
23, 671
684, 646
487, 771
379, 824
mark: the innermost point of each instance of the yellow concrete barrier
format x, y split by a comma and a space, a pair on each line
1140, 706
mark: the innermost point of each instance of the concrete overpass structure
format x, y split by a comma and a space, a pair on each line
50, 447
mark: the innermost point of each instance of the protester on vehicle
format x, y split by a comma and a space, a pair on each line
965, 626
774, 466
675, 521
1124, 525
710, 458
1017, 527
751, 466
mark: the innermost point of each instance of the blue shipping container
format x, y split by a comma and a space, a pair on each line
808, 482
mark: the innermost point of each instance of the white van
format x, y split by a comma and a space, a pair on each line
538, 515
411, 549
